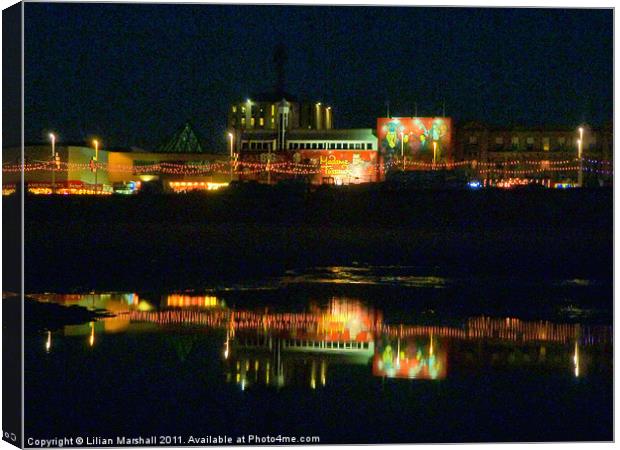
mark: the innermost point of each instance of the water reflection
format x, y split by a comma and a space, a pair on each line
276, 349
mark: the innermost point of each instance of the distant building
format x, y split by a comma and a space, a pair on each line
506, 152
179, 166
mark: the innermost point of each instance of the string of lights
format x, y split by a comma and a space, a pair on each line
242, 167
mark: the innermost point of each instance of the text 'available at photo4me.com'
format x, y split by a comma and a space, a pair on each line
155, 440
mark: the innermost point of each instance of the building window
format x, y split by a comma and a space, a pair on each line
561, 141
369, 146
515, 141
243, 110
345, 146
338, 146
473, 139
314, 146
545, 142
261, 122
252, 120
321, 146
332, 146
234, 108
243, 121
499, 140
273, 110
358, 146
529, 143
244, 145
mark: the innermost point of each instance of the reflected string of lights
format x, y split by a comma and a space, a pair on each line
508, 329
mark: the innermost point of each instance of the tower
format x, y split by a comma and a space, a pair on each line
279, 59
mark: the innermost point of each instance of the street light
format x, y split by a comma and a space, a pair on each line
231, 136
96, 159
53, 139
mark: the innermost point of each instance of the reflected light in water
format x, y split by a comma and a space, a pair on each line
48, 342
576, 359
91, 338
203, 301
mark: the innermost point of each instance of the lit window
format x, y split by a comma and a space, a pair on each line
261, 122
499, 140
234, 108
243, 109
252, 121
546, 146
243, 121
473, 139
273, 110
515, 140
561, 140
530, 140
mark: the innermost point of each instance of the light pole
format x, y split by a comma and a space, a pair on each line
96, 159
53, 139
580, 156
230, 135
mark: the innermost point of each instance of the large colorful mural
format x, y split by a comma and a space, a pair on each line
426, 139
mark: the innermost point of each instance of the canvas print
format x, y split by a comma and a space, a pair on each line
229, 224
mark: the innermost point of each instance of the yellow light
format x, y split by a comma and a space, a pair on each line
48, 342
91, 338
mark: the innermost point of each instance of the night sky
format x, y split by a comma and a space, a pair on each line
133, 74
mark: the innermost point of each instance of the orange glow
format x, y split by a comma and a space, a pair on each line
204, 301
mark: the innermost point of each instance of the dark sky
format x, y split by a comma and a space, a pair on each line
133, 74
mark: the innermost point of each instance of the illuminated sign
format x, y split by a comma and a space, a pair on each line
352, 166
427, 139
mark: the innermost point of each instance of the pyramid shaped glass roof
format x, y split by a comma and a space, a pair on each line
183, 141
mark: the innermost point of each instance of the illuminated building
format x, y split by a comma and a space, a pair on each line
515, 149
179, 166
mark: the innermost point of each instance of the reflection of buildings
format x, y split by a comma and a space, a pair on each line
279, 348
421, 358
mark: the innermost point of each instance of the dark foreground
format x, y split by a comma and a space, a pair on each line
448, 363
175, 242
362, 316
